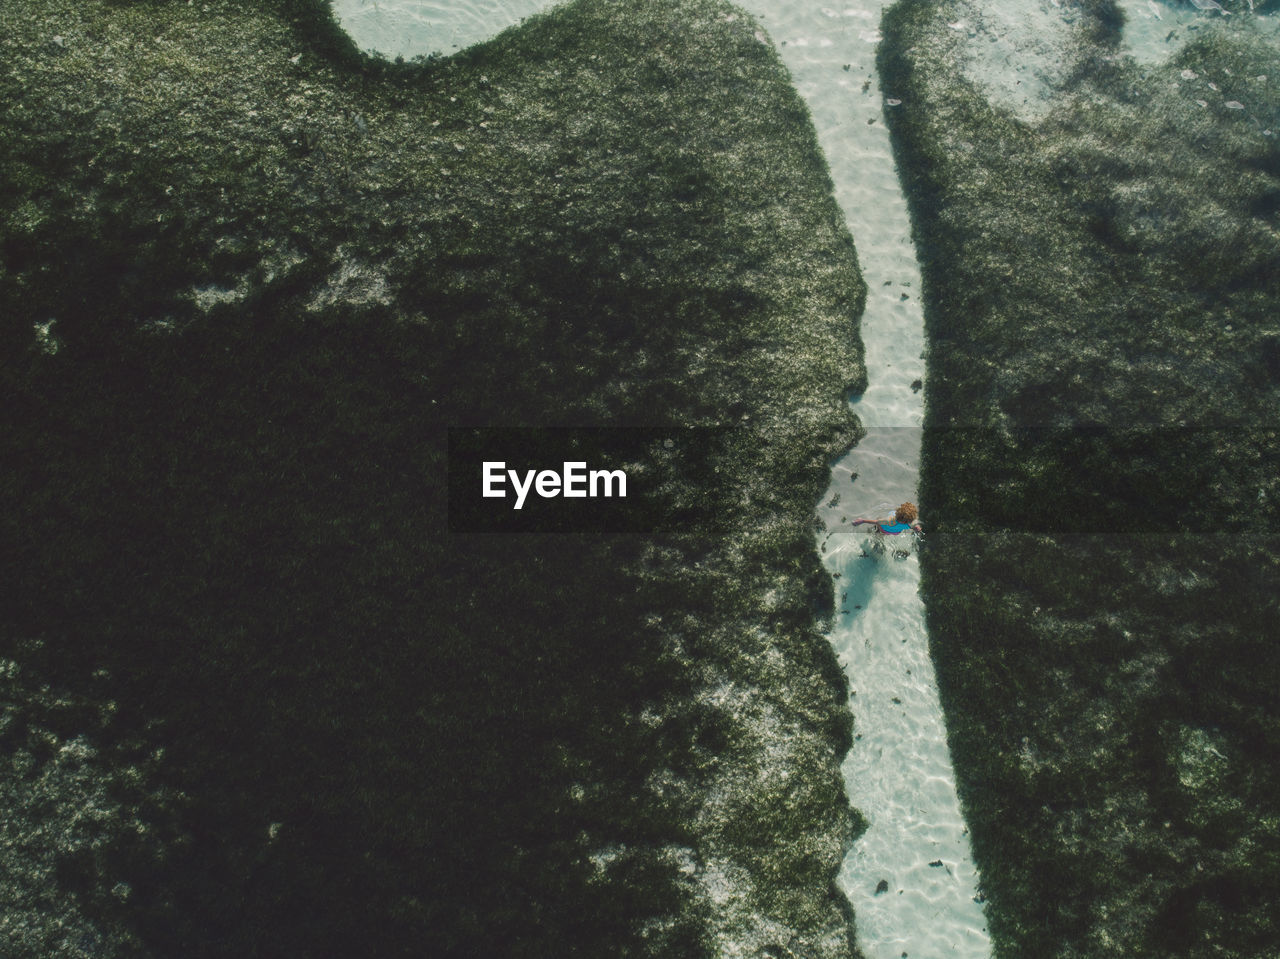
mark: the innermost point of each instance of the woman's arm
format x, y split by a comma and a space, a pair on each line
881, 524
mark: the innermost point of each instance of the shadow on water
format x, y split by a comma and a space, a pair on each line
865, 569
858, 585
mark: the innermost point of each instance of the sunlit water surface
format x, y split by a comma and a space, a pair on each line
910, 878
410, 28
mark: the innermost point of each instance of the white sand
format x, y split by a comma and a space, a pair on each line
411, 28
1156, 29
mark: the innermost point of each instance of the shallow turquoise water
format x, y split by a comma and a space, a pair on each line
410, 28
1155, 30
899, 770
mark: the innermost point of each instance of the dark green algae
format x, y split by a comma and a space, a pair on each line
247, 279
1100, 464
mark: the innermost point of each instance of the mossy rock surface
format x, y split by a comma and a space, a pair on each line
1101, 479
248, 279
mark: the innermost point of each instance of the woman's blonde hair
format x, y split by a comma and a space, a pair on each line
906, 513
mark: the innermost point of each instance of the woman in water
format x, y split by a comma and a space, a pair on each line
903, 521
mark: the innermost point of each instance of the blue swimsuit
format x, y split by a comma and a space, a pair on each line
893, 529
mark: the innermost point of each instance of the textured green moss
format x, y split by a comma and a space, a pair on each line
1100, 474
247, 279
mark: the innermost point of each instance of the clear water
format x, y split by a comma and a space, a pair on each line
1155, 29
899, 770
1022, 55
410, 28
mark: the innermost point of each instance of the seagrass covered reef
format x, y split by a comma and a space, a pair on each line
258, 700
1101, 469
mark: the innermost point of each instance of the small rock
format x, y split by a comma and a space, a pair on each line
917, 386
882, 887
937, 863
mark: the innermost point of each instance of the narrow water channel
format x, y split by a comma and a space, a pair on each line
910, 878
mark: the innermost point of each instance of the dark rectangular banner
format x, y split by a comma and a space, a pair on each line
579, 480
